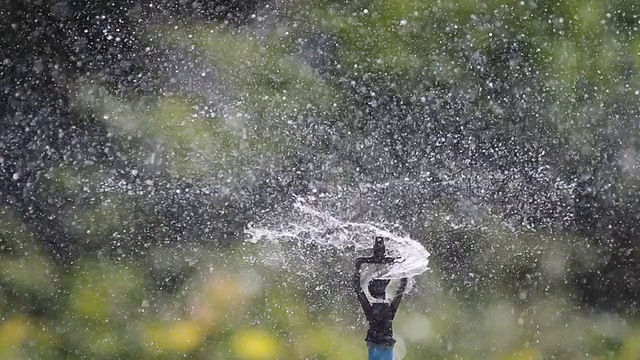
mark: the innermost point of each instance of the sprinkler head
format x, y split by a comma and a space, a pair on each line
379, 254
376, 287
382, 310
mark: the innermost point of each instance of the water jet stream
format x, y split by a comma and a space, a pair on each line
307, 224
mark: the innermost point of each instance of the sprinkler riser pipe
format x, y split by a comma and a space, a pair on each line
380, 352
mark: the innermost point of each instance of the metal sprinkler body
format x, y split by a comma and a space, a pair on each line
381, 311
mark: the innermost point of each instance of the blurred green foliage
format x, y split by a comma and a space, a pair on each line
107, 307
227, 309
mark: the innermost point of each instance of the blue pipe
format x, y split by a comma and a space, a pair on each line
380, 352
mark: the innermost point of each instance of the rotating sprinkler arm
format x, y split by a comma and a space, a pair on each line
396, 299
357, 286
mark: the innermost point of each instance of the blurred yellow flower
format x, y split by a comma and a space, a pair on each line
178, 336
255, 344
14, 331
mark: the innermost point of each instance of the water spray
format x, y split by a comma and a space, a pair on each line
380, 310
395, 257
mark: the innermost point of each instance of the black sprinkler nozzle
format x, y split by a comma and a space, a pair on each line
379, 250
379, 254
381, 311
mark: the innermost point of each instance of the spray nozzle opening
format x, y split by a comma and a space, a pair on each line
379, 249
380, 252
